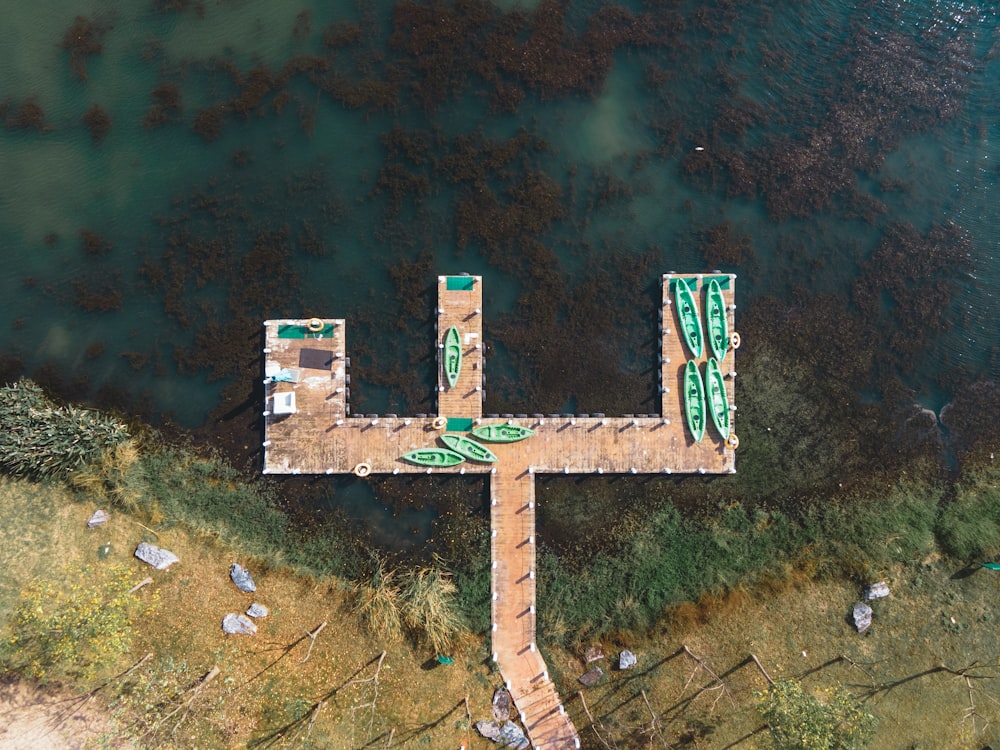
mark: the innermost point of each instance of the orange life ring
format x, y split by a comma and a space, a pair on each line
362, 470
735, 340
315, 325
440, 423
732, 441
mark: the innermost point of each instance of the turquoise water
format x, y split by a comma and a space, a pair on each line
281, 214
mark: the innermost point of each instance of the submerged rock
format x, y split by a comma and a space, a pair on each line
234, 624
626, 659
99, 518
258, 610
242, 578
862, 617
160, 559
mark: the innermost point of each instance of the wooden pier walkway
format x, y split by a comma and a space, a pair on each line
309, 430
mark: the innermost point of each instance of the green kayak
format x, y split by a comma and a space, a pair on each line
468, 448
694, 401
718, 405
502, 433
687, 315
715, 320
433, 457
452, 356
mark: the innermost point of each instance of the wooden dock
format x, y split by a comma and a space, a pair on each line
309, 430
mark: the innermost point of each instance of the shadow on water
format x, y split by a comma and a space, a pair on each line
390, 529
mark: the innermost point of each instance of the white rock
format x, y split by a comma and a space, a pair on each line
234, 624
258, 610
160, 559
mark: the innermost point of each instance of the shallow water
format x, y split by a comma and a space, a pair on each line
306, 179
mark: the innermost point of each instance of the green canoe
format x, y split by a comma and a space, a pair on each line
715, 320
718, 405
452, 356
694, 401
433, 457
502, 433
687, 315
468, 448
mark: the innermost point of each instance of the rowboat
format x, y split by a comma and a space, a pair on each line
502, 433
718, 406
687, 314
468, 448
433, 457
452, 356
715, 320
694, 400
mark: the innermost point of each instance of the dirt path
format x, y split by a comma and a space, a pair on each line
33, 717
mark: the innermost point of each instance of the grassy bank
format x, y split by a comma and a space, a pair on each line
265, 692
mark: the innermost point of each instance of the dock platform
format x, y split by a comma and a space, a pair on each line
309, 430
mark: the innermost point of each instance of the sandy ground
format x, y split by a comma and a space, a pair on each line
32, 718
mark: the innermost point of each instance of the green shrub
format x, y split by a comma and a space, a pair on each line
801, 721
67, 629
42, 439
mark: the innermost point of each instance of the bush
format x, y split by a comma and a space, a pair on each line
378, 602
42, 439
800, 721
429, 608
64, 629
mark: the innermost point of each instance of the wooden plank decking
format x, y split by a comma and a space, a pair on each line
321, 437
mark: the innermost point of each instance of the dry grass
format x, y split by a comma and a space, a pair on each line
802, 632
264, 693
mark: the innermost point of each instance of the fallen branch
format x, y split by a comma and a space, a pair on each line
762, 670
315, 713
312, 640
186, 705
374, 682
144, 582
593, 722
654, 723
703, 665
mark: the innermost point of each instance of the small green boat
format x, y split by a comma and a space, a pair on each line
468, 448
694, 401
452, 356
433, 457
687, 314
502, 433
718, 404
715, 320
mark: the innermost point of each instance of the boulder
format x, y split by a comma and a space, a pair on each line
160, 559
242, 578
512, 736
593, 653
862, 617
626, 659
502, 704
234, 624
99, 518
489, 729
590, 678
878, 590
258, 610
